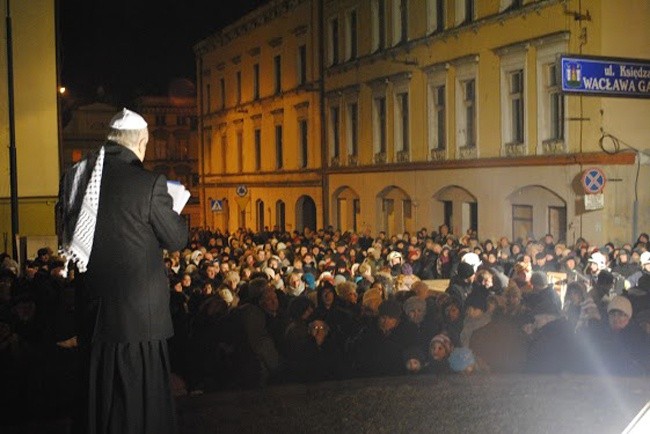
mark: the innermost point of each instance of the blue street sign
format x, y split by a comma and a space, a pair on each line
593, 180
589, 75
216, 205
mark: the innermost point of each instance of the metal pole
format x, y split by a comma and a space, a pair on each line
12, 135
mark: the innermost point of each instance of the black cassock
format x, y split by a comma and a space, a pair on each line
123, 301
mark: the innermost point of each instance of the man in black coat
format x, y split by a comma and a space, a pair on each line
115, 218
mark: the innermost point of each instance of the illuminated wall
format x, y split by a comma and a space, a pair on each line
36, 119
434, 111
260, 120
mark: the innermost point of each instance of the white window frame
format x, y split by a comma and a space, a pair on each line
465, 72
378, 93
351, 54
400, 89
436, 79
461, 12
432, 16
547, 54
397, 22
511, 62
376, 25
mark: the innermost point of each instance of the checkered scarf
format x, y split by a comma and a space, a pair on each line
81, 215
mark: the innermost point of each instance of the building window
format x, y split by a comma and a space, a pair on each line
181, 120
278, 147
379, 124
438, 117
465, 11
400, 22
222, 88
302, 64
259, 207
207, 99
516, 97
238, 81
258, 148
522, 222
353, 129
240, 151
507, 5
334, 41
279, 215
468, 113
256, 81
277, 74
161, 120
378, 25
304, 142
402, 122
351, 41
335, 139
435, 16
224, 148
555, 104
557, 222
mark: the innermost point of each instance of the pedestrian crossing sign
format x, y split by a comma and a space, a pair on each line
216, 205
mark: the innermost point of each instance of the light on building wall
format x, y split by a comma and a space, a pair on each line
62, 90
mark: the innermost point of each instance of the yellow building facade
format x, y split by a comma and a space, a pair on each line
450, 111
36, 124
260, 158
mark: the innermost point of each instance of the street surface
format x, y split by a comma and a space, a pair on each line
425, 404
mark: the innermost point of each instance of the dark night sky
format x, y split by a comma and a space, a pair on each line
135, 47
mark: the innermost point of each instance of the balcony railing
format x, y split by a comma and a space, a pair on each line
437, 154
467, 152
552, 147
335, 161
380, 158
403, 156
353, 160
515, 149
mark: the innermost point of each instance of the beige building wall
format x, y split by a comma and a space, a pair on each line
35, 95
510, 181
497, 172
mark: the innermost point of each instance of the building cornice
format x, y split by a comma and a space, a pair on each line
256, 18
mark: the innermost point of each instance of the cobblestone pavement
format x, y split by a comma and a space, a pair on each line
424, 404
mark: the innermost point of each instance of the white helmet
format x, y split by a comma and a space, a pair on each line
645, 258
598, 259
393, 255
472, 259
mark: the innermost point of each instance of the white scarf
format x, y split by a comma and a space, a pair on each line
81, 246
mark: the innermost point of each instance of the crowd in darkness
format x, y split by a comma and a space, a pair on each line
252, 309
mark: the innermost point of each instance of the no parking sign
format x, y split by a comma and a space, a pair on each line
593, 180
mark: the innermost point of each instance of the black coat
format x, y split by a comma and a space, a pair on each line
124, 295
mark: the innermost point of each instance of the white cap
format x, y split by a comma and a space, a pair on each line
599, 259
394, 254
472, 259
128, 120
645, 258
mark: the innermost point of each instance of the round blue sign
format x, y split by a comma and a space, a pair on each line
593, 180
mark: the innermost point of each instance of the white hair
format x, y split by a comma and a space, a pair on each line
127, 138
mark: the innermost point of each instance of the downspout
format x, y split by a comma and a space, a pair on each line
12, 135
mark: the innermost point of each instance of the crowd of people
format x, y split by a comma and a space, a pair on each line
251, 309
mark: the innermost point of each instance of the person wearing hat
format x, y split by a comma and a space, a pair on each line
375, 349
542, 293
644, 263
623, 265
112, 214
461, 284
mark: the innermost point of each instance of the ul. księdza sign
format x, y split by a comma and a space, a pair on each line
605, 76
